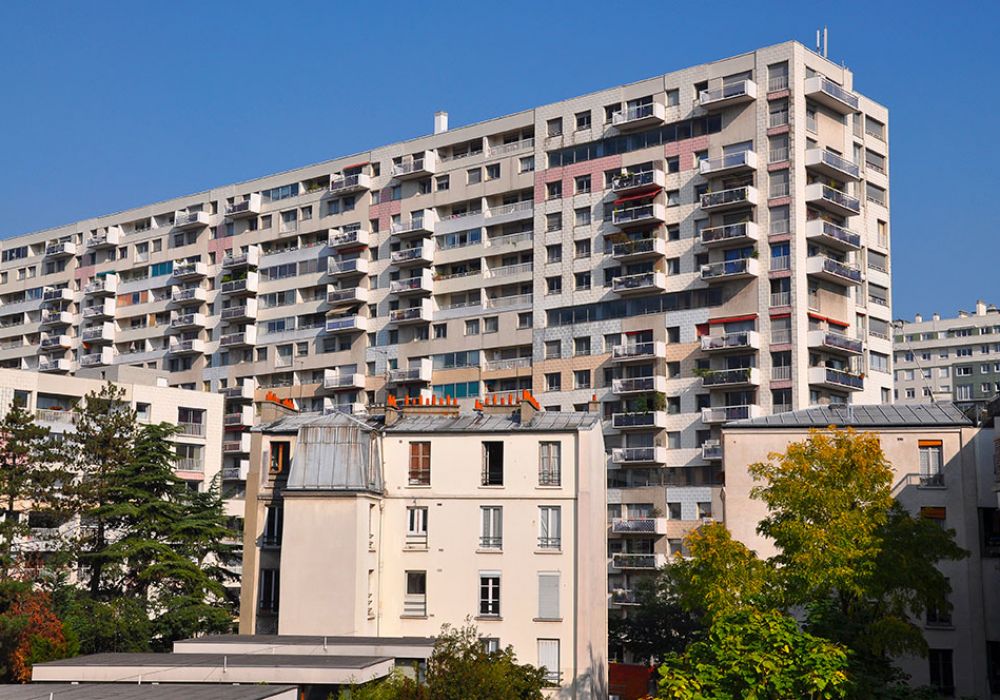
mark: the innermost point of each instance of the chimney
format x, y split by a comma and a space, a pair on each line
936, 316
440, 122
980, 307
918, 318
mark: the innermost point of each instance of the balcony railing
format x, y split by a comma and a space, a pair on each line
630, 215
638, 455
622, 596
631, 181
191, 464
411, 314
836, 96
642, 281
644, 526
513, 363
647, 419
724, 414
781, 299
191, 429
349, 183
508, 209
635, 113
628, 385
727, 268
817, 228
737, 91
640, 246
635, 351
730, 232
729, 341
841, 378
711, 450
503, 302
832, 163
836, 268
841, 341
736, 196
727, 162
839, 200
729, 377
634, 561
513, 147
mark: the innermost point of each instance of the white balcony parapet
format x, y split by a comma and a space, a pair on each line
422, 371
741, 376
346, 324
504, 149
639, 455
418, 224
833, 235
354, 266
730, 93
416, 166
98, 334
729, 234
511, 239
348, 239
243, 312
248, 207
832, 199
642, 282
423, 254
245, 285
730, 269
639, 115
56, 318
107, 285
244, 338
191, 219
731, 198
638, 352
60, 364
248, 258
333, 380
189, 295
829, 94
514, 363
108, 238
638, 215
60, 249
189, 346
56, 342
344, 184
413, 314
103, 357
724, 414
103, 309
738, 340
729, 162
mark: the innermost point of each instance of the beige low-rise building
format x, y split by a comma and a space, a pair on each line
399, 523
943, 470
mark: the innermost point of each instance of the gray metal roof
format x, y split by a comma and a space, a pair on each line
543, 421
146, 691
862, 416
291, 424
279, 639
122, 660
335, 456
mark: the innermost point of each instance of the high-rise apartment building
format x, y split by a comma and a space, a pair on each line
707, 245
949, 359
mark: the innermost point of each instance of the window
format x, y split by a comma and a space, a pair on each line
582, 184
673, 198
553, 253
553, 222
582, 121
491, 645
930, 463
492, 463
553, 382
581, 217
415, 602
549, 464
416, 526
280, 456
548, 659
420, 464
491, 534
553, 190
674, 511
941, 670
493, 171
549, 527
581, 249
440, 330
472, 326
581, 346
272, 526
554, 127
581, 379
526, 164
553, 349
489, 594
673, 164
474, 176
442, 183
548, 595
270, 589
524, 320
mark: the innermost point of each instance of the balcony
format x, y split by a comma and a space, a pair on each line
514, 211
633, 182
508, 301
507, 365
56, 318
421, 372
415, 167
828, 163
354, 267
734, 198
729, 235
238, 446
638, 352
622, 596
356, 238
62, 249
639, 216
639, 116
109, 238
54, 343
56, 296
236, 473
347, 324
102, 358
234, 260
832, 236
243, 418
644, 562
639, 526
837, 379
411, 286
832, 270
725, 414
353, 296
416, 226
624, 386
191, 219
242, 312
240, 392
335, 381
737, 93
643, 283
99, 335
410, 257
246, 286
647, 420
727, 270
414, 314
505, 274
711, 450
102, 286
190, 271
832, 200
834, 342
54, 365
828, 93
248, 207
103, 309
629, 456
191, 346
739, 340
188, 297
731, 378
348, 184
639, 249
243, 339
741, 162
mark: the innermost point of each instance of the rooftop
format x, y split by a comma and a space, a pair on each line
302, 639
870, 416
431, 422
146, 691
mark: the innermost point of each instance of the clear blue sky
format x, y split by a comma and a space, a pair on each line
109, 105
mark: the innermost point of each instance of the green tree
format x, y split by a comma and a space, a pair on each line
118, 625
659, 625
756, 655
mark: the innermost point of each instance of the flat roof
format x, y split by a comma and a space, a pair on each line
862, 416
279, 639
310, 645
146, 691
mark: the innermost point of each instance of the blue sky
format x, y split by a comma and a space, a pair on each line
108, 105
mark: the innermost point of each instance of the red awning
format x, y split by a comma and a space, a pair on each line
774, 316
831, 321
734, 319
633, 197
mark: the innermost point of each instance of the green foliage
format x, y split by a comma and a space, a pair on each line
118, 625
756, 655
460, 668
659, 625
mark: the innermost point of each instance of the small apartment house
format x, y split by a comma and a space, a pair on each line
943, 470
399, 523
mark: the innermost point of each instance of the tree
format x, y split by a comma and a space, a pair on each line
30, 631
659, 625
459, 668
756, 655
24, 479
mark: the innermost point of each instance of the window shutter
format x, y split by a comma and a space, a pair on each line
548, 656
548, 596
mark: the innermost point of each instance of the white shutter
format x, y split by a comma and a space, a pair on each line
924, 461
548, 596
548, 657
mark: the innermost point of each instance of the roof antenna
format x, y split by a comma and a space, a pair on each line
817, 41
824, 41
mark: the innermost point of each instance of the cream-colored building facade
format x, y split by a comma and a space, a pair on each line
397, 524
943, 469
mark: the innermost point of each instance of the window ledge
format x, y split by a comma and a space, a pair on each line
418, 486
549, 486
412, 617
548, 551
413, 548
489, 550
488, 618
546, 619
491, 486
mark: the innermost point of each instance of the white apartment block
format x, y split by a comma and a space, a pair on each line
395, 524
949, 359
706, 245
943, 469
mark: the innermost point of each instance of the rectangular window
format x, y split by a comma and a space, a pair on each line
548, 659
272, 526
549, 464
270, 590
548, 596
930, 463
489, 594
416, 526
491, 532
280, 456
493, 463
420, 464
415, 602
942, 674
549, 527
